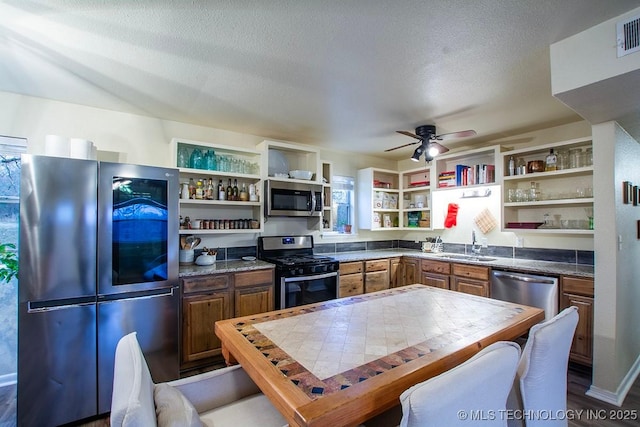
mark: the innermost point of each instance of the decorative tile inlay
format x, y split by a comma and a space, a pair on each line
330, 347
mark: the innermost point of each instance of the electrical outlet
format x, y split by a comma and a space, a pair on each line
484, 242
519, 242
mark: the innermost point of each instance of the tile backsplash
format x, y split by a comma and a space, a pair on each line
570, 256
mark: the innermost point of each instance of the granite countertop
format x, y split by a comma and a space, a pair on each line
218, 267
499, 263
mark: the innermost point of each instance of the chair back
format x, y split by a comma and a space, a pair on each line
473, 393
132, 401
541, 381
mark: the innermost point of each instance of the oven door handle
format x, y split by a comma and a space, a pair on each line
310, 277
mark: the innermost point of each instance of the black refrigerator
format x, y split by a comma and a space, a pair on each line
98, 259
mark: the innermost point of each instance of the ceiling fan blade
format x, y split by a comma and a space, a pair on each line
452, 135
402, 146
441, 148
412, 135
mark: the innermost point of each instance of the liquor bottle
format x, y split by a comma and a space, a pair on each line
192, 188
209, 193
550, 162
244, 194
236, 194
200, 190
229, 190
222, 194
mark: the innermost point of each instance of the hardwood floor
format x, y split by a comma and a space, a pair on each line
596, 412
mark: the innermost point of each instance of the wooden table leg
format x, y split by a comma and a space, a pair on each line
228, 357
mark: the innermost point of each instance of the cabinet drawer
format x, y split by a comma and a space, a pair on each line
376, 265
577, 285
350, 267
253, 278
436, 280
471, 271
205, 283
435, 266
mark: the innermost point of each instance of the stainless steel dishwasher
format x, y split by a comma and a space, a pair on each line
526, 289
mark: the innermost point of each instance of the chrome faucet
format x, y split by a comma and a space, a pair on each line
475, 246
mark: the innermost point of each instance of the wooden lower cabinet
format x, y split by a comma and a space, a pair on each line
207, 299
396, 273
253, 292
578, 291
376, 275
435, 273
199, 314
411, 267
351, 279
470, 279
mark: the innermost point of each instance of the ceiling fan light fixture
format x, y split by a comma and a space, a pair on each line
433, 151
417, 153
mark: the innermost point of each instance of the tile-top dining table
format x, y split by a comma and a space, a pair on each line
341, 362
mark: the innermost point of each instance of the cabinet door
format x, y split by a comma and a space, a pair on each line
376, 281
199, 313
351, 284
436, 280
253, 300
411, 270
254, 292
395, 273
470, 286
582, 346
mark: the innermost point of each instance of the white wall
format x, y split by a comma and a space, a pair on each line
144, 140
590, 56
617, 276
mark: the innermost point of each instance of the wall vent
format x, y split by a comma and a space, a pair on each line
628, 36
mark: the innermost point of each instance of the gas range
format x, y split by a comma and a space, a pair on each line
293, 256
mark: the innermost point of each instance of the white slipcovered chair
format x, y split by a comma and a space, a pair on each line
471, 394
540, 386
224, 397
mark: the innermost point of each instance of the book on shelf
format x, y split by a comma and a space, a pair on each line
468, 175
447, 179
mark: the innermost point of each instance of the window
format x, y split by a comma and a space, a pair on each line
10, 150
342, 188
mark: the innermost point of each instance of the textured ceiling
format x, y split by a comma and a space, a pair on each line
341, 74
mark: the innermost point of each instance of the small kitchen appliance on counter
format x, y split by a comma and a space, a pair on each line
301, 276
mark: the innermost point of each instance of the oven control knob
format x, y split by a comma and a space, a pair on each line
293, 272
301, 270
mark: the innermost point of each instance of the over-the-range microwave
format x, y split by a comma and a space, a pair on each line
292, 199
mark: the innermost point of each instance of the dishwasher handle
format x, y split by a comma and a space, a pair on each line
523, 278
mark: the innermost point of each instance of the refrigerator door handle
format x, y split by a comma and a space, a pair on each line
44, 306
164, 292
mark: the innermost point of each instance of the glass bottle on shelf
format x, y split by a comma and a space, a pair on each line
244, 194
229, 190
534, 193
192, 188
195, 161
183, 157
236, 193
200, 190
210, 157
210, 193
222, 193
512, 166
551, 161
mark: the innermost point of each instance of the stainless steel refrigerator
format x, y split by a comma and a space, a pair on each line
98, 259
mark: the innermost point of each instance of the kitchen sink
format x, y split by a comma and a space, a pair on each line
466, 257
